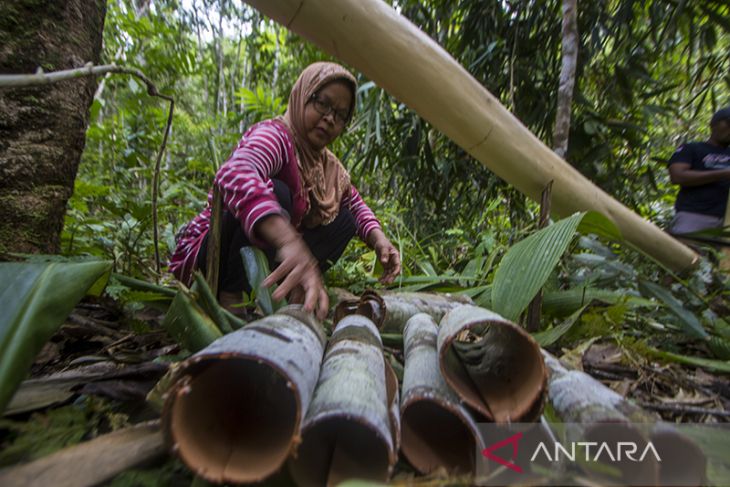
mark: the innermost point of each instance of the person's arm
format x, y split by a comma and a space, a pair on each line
388, 255
682, 173
370, 231
298, 267
246, 189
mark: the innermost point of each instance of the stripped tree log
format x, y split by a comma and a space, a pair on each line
370, 304
235, 411
598, 413
372, 37
400, 307
390, 310
348, 432
437, 431
93, 462
492, 364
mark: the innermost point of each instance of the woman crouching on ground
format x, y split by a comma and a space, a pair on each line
286, 193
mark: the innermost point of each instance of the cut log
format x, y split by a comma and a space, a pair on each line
437, 431
400, 307
235, 412
92, 462
372, 37
598, 413
492, 364
348, 432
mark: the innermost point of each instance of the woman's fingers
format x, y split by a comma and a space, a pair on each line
391, 266
324, 305
290, 282
277, 274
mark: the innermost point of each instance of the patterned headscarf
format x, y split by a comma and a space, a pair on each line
324, 177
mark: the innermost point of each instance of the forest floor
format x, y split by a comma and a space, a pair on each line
94, 375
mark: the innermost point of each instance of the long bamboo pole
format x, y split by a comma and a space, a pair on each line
372, 37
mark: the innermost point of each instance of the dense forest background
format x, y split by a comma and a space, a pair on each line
649, 75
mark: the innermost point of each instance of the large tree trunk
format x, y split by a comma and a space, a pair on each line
42, 129
567, 77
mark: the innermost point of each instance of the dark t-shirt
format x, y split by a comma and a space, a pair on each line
708, 199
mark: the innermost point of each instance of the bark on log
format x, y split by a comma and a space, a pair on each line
400, 307
492, 364
235, 412
92, 462
347, 432
578, 398
372, 37
437, 431
42, 129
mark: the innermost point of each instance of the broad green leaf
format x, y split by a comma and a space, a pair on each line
720, 347
564, 302
528, 264
705, 363
548, 337
209, 303
596, 223
257, 268
690, 323
188, 324
721, 327
35, 300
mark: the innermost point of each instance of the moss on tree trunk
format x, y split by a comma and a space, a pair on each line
42, 129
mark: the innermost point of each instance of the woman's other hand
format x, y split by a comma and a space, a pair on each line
298, 270
388, 255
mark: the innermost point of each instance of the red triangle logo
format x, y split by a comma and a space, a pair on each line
488, 452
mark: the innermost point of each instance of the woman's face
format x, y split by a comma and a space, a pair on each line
323, 129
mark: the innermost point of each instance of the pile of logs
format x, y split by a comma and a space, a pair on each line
274, 392
278, 391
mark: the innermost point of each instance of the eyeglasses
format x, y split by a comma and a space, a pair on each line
324, 108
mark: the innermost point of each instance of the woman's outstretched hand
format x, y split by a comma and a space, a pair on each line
298, 270
388, 255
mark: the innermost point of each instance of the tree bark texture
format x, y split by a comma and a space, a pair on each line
567, 77
600, 413
235, 411
437, 431
400, 307
348, 430
42, 129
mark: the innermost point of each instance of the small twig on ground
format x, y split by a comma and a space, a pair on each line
679, 408
42, 78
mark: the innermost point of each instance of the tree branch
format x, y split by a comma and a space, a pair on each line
42, 78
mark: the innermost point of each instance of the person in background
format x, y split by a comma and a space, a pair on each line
286, 193
702, 170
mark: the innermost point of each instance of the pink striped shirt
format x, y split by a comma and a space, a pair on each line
265, 151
